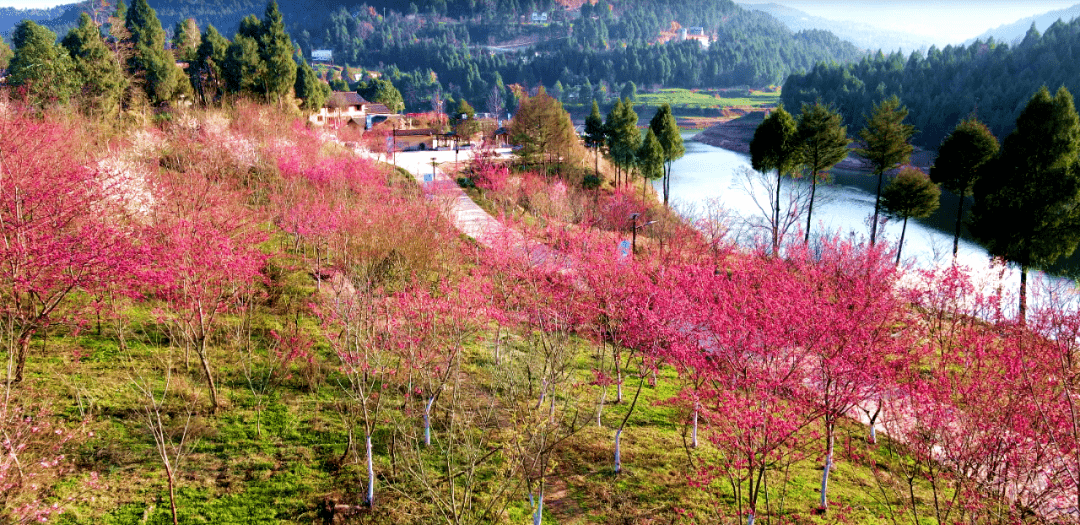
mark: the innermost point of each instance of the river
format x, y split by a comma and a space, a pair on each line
708, 174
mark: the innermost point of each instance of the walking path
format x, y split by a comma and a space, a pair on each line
466, 215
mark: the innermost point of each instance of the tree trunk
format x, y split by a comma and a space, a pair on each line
776, 219
667, 182
693, 433
824, 504
427, 421
877, 209
810, 209
1023, 294
618, 451
900, 246
24, 349
370, 475
538, 516
959, 218
205, 361
172, 495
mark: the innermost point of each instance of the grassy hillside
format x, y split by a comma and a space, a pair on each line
288, 302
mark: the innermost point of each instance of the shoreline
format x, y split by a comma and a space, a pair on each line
736, 134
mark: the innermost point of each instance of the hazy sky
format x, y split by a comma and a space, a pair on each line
27, 4
949, 21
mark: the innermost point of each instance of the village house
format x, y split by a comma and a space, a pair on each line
347, 108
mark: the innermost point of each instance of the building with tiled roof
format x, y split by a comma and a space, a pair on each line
347, 108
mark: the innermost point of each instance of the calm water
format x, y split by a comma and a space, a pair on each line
708, 175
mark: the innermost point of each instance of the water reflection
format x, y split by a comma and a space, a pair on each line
708, 174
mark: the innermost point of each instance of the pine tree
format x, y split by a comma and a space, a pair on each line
823, 143
594, 135
667, 132
100, 81
541, 127
910, 194
961, 157
383, 92
885, 143
186, 39
40, 70
207, 72
242, 68
153, 67
312, 91
650, 160
1027, 200
275, 51
775, 146
623, 137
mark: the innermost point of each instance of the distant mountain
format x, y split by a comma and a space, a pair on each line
1013, 33
863, 36
9, 16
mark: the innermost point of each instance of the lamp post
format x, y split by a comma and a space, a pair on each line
432, 169
634, 229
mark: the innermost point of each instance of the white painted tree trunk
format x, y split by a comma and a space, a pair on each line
824, 504
693, 441
600, 407
427, 421
370, 475
618, 457
538, 517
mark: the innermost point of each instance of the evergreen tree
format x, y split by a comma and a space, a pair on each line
541, 127
1027, 200
775, 146
885, 143
40, 70
186, 39
623, 138
823, 142
667, 132
275, 51
650, 160
243, 68
100, 81
910, 194
207, 71
961, 157
594, 135
312, 91
153, 67
463, 120
383, 92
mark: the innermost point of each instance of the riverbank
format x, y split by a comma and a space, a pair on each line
736, 134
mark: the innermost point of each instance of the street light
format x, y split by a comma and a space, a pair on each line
432, 169
634, 229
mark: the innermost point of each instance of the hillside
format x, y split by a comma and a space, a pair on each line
943, 86
863, 36
267, 326
1014, 33
454, 50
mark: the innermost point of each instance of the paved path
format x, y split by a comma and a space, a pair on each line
466, 215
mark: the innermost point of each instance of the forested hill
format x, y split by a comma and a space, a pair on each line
464, 48
591, 50
990, 79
